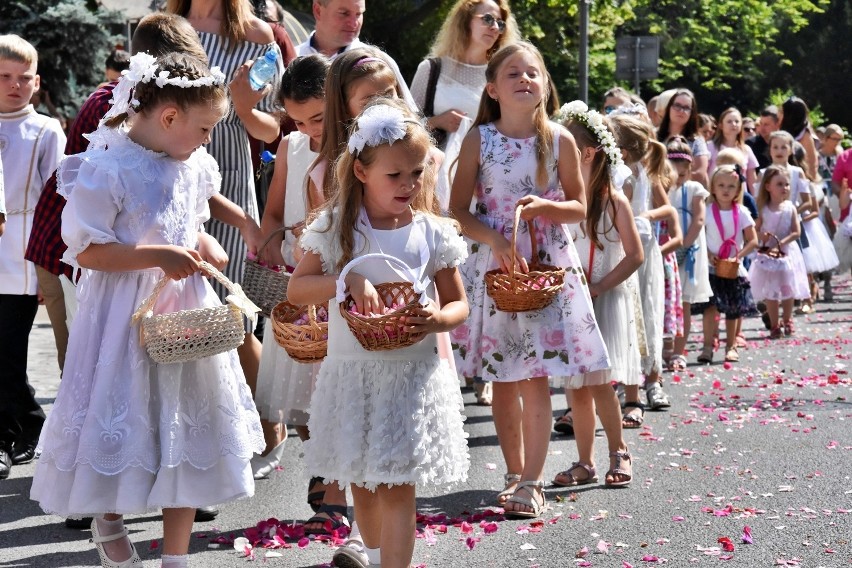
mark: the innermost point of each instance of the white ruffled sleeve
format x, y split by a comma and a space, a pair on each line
452, 248
94, 198
320, 239
209, 183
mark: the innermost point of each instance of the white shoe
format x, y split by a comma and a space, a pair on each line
106, 561
262, 466
351, 555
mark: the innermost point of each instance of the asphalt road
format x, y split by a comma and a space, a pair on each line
764, 444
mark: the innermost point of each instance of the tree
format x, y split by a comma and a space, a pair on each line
72, 42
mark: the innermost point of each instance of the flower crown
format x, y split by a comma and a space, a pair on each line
143, 68
593, 120
378, 124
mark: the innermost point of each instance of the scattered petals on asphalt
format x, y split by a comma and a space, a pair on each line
747, 539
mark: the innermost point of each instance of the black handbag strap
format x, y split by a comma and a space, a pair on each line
431, 85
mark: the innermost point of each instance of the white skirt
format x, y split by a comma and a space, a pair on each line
376, 422
819, 255
284, 386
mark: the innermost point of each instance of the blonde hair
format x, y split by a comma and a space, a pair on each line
344, 206
235, 22
346, 69
489, 109
726, 169
15, 48
453, 39
763, 193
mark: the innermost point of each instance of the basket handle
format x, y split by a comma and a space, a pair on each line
312, 318
275, 232
533, 242
341, 279
236, 297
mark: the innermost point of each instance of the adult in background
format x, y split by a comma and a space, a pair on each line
828, 154
471, 33
795, 119
759, 143
680, 118
233, 38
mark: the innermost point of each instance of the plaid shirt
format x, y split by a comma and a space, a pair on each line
45, 247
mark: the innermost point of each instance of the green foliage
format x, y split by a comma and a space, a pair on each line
778, 96
72, 43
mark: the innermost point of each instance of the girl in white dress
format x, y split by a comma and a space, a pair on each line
385, 421
650, 204
817, 248
778, 280
127, 435
688, 198
284, 386
610, 250
516, 157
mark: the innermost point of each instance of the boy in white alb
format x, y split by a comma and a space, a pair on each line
31, 148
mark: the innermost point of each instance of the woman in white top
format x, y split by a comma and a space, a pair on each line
473, 30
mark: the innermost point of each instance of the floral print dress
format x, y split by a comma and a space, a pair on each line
561, 339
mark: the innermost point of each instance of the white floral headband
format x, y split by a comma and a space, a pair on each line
594, 122
143, 68
378, 124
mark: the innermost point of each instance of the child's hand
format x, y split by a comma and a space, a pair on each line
366, 297
211, 251
502, 251
534, 206
178, 262
428, 320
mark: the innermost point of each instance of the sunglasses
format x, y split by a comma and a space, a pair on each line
748, 129
490, 21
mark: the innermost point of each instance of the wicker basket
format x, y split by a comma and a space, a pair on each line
774, 252
266, 286
189, 335
727, 268
518, 292
305, 343
387, 331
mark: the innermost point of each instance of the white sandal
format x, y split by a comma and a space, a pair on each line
106, 561
511, 480
530, 502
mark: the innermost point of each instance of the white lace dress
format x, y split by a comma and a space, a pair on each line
387, 417
127, 435
615, 309
650, 274
284, 386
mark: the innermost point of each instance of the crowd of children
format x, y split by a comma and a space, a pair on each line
644, 232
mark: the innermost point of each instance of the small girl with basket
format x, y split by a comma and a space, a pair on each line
730, 238
127, 435
284, 385
384, 420
515, 157
778, 273
611, 251
688, 198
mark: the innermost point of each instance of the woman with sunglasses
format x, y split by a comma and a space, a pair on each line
472, 32
681, 119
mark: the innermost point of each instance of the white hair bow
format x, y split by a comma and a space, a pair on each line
376, 125
142, 68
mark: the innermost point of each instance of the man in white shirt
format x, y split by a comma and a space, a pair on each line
338, 23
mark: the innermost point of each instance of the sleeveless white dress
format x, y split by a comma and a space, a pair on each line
127, 435
819, 254
387, 417
615, 309
697, 290
650, 274
284, 386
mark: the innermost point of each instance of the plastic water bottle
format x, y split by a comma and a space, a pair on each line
263, 71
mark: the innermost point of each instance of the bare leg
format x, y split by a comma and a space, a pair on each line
368, 515
772, 310
508, 416
398, 511
536, 415
731, 327
609, 412
680, 341
710, 328
177, 528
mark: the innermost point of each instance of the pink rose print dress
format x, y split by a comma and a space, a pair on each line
561, 339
